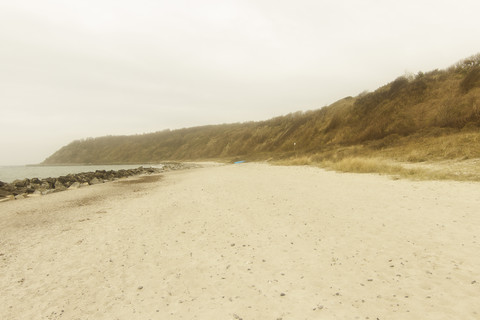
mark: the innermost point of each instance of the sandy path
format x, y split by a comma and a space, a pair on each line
245, 241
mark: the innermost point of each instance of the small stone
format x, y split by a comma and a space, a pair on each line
140, 288
282, 294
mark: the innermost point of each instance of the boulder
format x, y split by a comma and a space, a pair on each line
21, 183
21, 188
59, 186
44, 185
95, 181
74, 185
18, 191
72, 178
67, 180
100, 174
4, 193
50, 182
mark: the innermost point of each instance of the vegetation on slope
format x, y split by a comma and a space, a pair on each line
429, 116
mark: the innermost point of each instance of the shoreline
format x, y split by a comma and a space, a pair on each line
29, 187
97, 164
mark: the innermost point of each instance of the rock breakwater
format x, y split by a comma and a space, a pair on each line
19, 189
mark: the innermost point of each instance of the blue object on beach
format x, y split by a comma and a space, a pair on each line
237, 162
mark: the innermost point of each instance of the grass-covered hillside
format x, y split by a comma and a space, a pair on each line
428, 116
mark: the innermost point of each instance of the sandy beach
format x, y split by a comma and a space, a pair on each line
249, 241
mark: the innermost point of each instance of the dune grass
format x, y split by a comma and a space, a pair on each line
420, 171
457, 170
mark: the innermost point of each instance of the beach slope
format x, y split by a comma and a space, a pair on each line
248, 241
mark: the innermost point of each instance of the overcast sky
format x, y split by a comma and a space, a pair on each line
73, 69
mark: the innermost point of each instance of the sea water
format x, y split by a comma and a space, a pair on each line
11, 173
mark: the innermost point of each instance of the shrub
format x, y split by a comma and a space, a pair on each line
471, 80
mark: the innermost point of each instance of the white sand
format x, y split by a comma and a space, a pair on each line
246, 241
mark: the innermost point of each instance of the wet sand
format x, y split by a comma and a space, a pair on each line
248, 241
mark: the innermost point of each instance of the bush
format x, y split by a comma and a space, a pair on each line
471, 80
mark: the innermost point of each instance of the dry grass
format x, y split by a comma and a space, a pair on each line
458, 170
435, 155
436, 145
354, 164
366, 165
450, 170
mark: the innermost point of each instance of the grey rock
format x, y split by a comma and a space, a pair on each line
21, 183
95, 181
20, 188
4, 192
75, 185
59, 186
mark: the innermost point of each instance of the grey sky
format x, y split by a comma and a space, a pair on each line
76, 69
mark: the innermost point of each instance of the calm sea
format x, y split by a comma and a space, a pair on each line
10, 173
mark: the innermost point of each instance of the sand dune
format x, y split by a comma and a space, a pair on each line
247, 241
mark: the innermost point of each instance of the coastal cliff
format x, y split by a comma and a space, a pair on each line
406, 118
